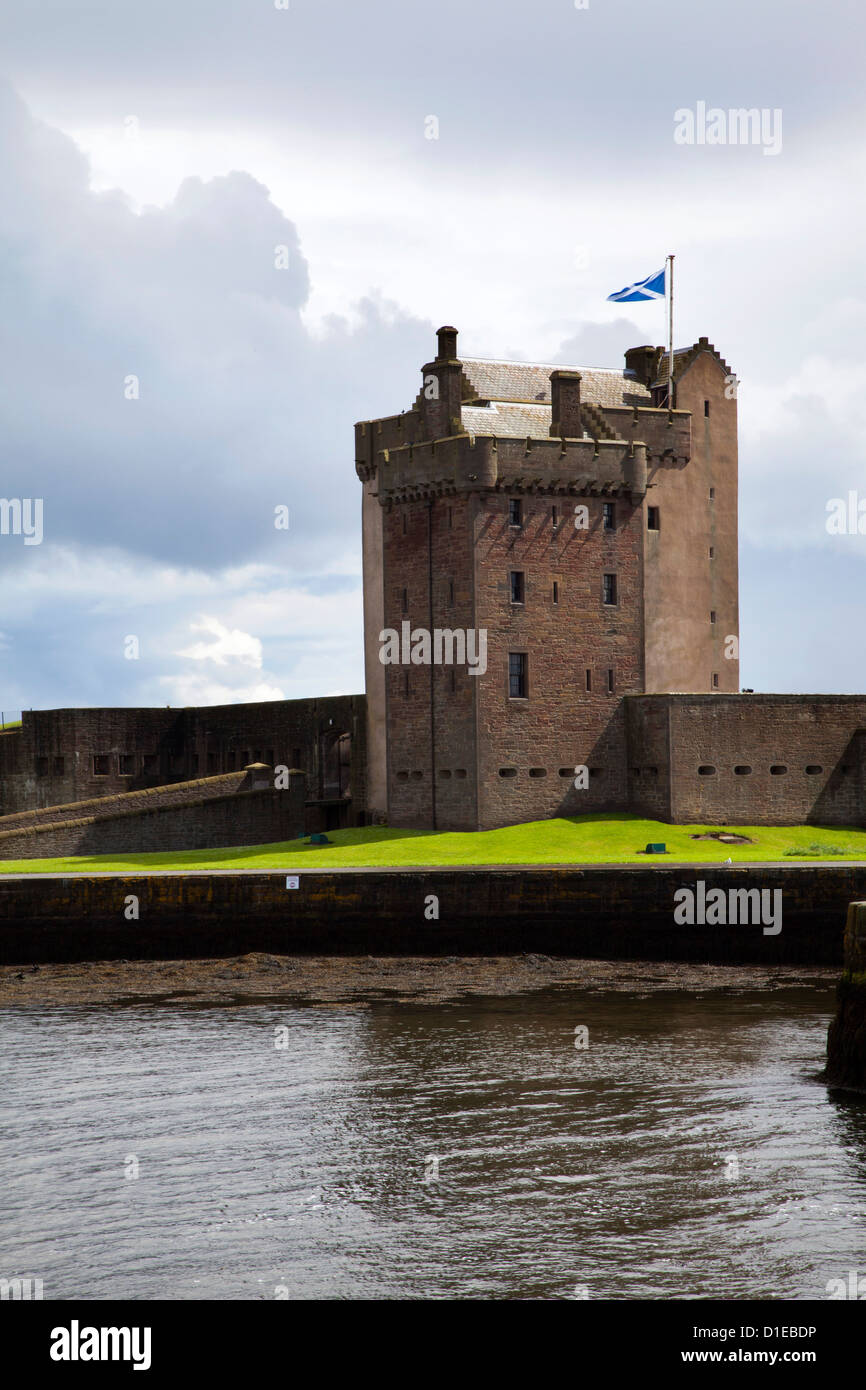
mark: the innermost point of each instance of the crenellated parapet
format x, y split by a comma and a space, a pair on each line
484, 463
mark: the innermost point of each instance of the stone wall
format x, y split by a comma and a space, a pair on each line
62, 756
753, 759
191, 816
604, 912
846, 1036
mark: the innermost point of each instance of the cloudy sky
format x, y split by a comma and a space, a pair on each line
154, 156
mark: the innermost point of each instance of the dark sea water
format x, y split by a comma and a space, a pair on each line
688, 1152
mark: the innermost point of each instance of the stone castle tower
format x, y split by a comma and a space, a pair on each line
580, 524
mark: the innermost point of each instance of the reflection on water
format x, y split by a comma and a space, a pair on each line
688, 1152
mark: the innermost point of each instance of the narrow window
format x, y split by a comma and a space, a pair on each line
515, 511
588, 679
715, 680
712, 552
405, 600
609, 513
451, 592
706, 408
555, 515
610, 680
712, 494
517, 586
609, 589
652, 519
453, 680
712, 615
406, 684
450, 518
555, 592
517, 684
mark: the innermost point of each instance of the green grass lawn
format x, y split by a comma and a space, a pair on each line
602, 839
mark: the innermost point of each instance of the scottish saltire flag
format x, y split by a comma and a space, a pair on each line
653, 287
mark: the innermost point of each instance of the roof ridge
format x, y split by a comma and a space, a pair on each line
554, 366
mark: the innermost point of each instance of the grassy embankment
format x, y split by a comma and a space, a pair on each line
607, 839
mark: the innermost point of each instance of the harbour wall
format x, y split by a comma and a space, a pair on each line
613, 912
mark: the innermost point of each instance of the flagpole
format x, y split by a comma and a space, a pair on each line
670, 332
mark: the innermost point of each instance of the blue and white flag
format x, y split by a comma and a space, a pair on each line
653, 287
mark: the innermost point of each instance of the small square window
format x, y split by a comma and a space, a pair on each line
609, 589
652, 518
150, 764
515, 511
41, 767
59, 767
608, 510
127, 764
101, 765
516, 582
517, 684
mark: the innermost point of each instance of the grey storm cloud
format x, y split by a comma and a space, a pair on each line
239, 409
541, 81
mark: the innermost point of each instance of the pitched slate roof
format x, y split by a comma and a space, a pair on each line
503, 418
529, 383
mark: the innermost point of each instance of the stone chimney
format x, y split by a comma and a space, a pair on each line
440, 388
644, 362
565, 420
447, 340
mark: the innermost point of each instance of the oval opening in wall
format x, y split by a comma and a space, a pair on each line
778, 770
538, 772
508, 772
813, 770
742, 770
705, 770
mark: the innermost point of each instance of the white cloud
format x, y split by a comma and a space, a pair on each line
230, 644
